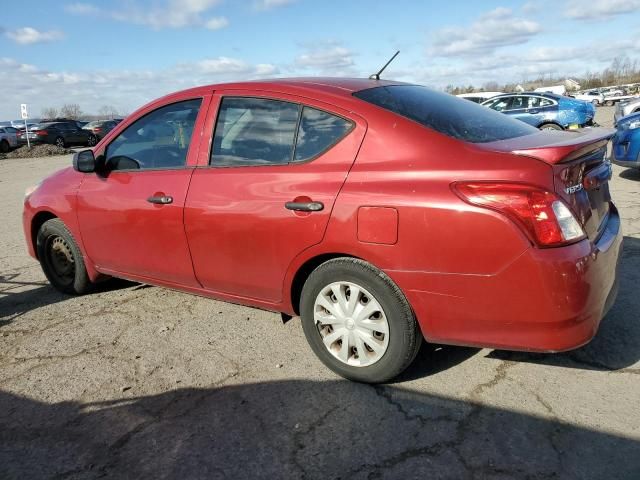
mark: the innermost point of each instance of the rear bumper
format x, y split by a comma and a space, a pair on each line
547, 300
37, 141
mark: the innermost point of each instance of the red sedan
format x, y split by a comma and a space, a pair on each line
377, 211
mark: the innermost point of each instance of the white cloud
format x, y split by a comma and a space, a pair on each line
332, 56
495, 29
263, 5
124, 89
82, 9
600, 9
216, 23
166, 14
29, 35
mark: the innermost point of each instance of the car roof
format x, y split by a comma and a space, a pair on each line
540, 94
332, 86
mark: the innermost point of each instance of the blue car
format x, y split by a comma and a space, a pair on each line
546, 111
626, 142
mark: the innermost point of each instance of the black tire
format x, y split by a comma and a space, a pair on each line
404, 339
59, 142
92, 140
550, 126
609, 103
4, 146
595, 103
61, 259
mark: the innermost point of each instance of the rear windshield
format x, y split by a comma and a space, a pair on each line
444, 113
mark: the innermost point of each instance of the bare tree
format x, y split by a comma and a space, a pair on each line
49, 112
71, 111
108, 111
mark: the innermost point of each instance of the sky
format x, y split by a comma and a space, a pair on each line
125, 53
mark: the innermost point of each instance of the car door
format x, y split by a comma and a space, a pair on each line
266, 190
518, 108
131, 212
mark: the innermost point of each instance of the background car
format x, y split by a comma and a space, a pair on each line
478, 97
626, 142
61, 134
546, 111
592, 96
19, 124
626, 108
100, 127
8, 139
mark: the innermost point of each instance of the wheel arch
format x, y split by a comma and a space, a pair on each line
550, 122
303, 272
38, 220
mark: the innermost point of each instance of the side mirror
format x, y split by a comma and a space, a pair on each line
84, 161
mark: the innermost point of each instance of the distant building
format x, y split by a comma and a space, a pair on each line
571, 84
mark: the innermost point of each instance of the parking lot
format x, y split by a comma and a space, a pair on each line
136, 381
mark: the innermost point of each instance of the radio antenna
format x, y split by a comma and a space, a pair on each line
376, 76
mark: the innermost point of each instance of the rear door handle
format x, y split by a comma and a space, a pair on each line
304, 206
160, 199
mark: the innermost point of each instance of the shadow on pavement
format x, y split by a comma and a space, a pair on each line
617, 343
14, 304
433, 358
299, 429
630, 174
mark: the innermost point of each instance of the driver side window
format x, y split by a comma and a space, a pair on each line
160, 139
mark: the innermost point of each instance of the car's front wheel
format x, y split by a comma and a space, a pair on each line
61, 258
358, 322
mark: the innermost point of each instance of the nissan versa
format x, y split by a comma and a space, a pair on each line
381, 213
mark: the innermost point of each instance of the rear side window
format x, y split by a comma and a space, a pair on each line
318, 132
446, 114
260, 131
254, 131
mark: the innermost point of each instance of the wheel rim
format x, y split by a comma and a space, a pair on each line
92, 141
351, 323
60, 142
60, 259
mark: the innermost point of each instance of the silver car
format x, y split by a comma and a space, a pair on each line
626, 108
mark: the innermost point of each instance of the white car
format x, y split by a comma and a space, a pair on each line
594, 97
8, 139
478, 97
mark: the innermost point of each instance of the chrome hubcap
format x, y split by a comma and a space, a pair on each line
352, 324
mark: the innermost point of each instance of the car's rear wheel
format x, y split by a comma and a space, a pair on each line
59, 142
61, 258
550, 126
92, 140
358, 322
595, 103
4, 146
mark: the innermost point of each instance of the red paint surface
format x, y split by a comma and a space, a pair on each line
470, 274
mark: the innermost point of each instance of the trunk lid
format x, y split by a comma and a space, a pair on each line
581, 170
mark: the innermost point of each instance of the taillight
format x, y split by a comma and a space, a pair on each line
42, 133
97, 129
542, 215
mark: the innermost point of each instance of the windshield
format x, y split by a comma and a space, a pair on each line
447, 114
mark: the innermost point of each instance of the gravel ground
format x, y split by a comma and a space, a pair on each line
142, 382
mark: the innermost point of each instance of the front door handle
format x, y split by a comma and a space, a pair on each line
160, 199
304, 206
